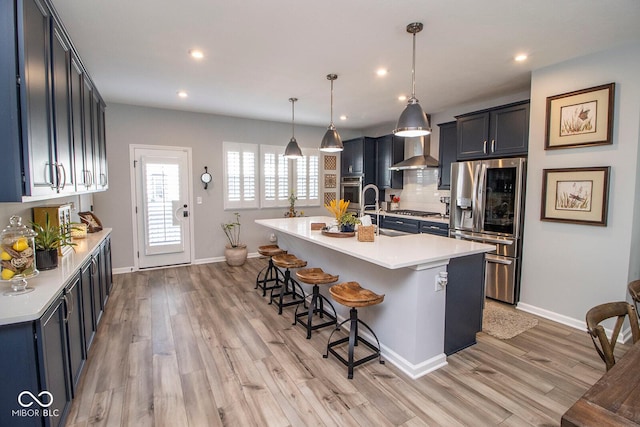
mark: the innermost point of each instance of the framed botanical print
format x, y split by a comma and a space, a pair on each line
575, 195
580, 118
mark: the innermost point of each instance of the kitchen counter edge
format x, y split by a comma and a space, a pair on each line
48, 284
412, 250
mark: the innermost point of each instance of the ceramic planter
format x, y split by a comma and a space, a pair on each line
47, 259
236, 256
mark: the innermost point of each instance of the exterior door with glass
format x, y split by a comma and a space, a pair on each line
163, 220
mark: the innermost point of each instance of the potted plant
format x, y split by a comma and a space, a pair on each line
348, 222
235, 252
48, 240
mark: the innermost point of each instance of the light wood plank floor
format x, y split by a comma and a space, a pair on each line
198, 346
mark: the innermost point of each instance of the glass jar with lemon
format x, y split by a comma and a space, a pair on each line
17, 256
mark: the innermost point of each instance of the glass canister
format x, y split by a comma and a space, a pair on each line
17, 255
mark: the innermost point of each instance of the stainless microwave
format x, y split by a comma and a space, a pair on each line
351, 190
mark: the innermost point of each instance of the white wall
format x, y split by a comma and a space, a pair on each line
204, 133
568, 268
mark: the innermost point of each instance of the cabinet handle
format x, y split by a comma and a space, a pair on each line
50, 176
66, 309
484, 147
103, 179
493, 145
62, 182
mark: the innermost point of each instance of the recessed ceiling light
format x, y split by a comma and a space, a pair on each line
182, 94
343, 117
402, 98
521, 57
382, 72
195, 53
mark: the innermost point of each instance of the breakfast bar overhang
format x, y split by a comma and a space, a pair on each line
410, 323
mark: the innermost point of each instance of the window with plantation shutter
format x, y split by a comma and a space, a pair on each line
306, 177
275, 177
240, 175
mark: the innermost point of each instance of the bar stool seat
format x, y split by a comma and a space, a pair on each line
315, 277
297, 296
351, 294
270, 273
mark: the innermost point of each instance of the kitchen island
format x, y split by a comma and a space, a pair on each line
410, 323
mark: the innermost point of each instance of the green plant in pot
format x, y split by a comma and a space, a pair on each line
235, 252
48, 240
348, 222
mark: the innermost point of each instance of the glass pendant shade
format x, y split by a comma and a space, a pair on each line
413, 121
293, 149
331, 141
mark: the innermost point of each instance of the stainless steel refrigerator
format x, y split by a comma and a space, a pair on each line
487, 205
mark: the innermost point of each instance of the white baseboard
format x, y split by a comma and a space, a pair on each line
625, 335
131, 269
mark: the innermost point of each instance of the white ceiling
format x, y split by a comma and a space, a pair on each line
259, 53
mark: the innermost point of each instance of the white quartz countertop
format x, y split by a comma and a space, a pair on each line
411, 250
48, 284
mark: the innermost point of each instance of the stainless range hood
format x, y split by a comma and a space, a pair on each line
418, 157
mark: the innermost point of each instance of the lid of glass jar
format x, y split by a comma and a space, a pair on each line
16, 229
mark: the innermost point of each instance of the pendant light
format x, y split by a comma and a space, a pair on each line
413, 121
293, 150
331, 142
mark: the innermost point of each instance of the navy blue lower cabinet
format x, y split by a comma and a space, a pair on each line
464, 302
400, 224
51, 340
432, 227
19, 373
75, 330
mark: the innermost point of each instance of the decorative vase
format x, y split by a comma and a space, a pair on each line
346, 228
235, 256
47, 259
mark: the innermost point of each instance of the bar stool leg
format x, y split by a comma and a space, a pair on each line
353, 340
268, 274
297, 297
316, 306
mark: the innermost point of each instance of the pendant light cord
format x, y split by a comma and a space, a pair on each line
413, 69
331, 102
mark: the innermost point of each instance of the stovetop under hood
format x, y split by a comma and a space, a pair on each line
420, 158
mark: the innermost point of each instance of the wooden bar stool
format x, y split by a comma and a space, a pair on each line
351, 294
315, 277
288, 261
270, 273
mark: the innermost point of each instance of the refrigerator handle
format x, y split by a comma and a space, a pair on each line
478, 188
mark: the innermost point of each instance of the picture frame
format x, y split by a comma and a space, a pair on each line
92, 221
575, 195
580, 118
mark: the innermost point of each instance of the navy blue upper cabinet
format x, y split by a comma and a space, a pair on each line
447, 153
37, 114
389, 150
498, 132
352, 157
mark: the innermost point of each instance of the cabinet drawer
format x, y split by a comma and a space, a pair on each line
437, 228
401, 224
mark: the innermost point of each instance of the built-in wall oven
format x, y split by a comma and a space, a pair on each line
351, 190
487, 206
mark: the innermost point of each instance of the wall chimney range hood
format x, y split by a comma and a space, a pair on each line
420, 159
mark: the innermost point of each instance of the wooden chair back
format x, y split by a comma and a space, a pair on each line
605, 346
634, 291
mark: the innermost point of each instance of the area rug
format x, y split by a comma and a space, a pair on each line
504, 322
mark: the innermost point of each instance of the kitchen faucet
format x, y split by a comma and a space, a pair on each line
375, 206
